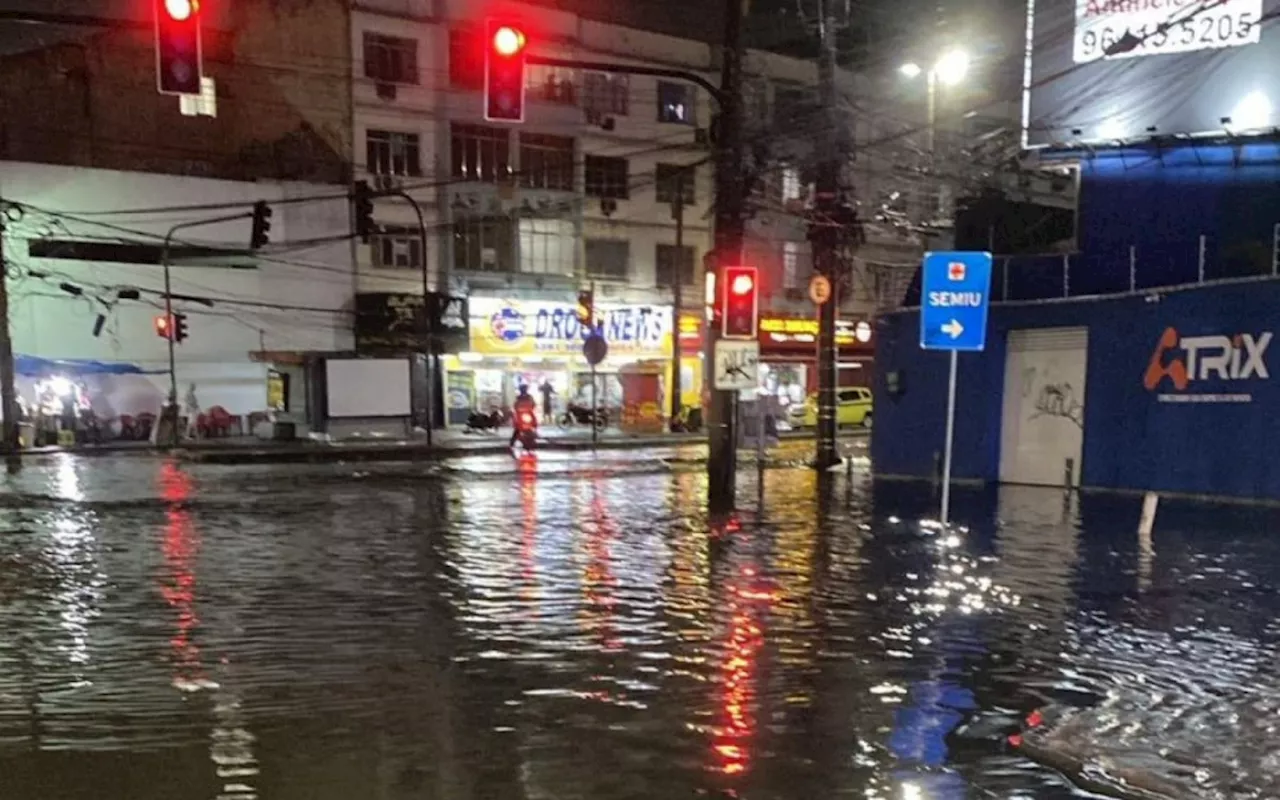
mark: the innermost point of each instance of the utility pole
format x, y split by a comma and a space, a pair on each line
677, 296
826, 235
722, 458
8, 389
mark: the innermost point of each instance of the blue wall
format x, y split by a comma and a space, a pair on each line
1160, 202
1131, 439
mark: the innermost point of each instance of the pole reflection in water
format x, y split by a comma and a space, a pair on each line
231, 745
598, 581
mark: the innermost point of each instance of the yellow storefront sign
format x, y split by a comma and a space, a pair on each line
534, 327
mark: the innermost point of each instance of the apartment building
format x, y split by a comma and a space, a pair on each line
519, 218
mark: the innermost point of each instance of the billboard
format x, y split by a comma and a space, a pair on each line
1109, 72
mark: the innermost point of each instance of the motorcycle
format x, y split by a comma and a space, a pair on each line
582, 415
480, 422
526, 424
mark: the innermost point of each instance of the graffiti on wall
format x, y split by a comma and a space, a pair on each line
1053, 398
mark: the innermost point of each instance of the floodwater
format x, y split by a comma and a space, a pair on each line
574, 628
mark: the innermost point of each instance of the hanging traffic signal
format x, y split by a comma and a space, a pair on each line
261, 225
179, 327
163, 328
740, 303
178, 57
362, 203
586, 308
504, 73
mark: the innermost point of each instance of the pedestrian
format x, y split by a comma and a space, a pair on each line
548, 392
193, 413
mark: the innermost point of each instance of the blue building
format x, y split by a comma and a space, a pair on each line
1142, 362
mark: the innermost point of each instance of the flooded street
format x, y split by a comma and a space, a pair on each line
574, 628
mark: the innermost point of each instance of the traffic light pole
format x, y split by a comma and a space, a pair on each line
8, 377
677, 300
428, 320
172, 406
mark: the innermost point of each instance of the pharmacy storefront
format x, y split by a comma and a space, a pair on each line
539, 343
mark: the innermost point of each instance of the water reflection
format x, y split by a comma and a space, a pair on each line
577, 628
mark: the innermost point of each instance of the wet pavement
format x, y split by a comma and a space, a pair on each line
575, 628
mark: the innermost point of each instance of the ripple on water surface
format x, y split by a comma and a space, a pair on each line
575, 627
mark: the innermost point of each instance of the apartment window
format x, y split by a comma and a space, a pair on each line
603, 93
675, 102
396, 247
790, 184
483, 244
669, 261
466, 59
480, 153
607, 259
790, 265
551, 84
547, 246
392, 153
390, 59
546, 162
607, 177
667, 177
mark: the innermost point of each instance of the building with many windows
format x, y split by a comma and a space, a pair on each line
585, 193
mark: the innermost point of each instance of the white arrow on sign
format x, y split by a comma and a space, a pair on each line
953, 329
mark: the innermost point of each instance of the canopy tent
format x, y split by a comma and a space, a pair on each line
36, 367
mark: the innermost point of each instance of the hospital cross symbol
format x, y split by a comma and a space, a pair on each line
955, 270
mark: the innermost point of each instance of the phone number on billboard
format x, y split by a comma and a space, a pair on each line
1224, 26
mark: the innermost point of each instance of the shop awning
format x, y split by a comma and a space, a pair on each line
36, 367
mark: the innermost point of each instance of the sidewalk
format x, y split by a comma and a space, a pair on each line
446, 444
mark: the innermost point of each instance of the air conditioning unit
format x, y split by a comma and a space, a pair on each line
387, 91
608, 206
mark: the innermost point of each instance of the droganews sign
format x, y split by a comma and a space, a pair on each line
529, 327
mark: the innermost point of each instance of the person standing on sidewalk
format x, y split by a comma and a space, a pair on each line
548, 392
192, 409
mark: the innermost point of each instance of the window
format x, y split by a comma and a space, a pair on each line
390, 59
480, 153
466, 60
551, 84
667, 259
608, 258
546, 162
547, 246
790, 265
792, 106
396, 247
675, 102
607, 177
790, 184
483, 244
392, 153
603, 93
668, 176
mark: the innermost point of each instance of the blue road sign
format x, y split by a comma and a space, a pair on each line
954, 297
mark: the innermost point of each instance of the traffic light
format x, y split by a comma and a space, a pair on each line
504, 73
261, 224
179, 327
362, 200
162, 326
586, 308
740, 303
178, 58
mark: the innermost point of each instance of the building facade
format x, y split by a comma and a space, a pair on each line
582, 195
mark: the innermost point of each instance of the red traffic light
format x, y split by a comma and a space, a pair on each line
180, 10
740, 305
743, 284
507, 41
162, 326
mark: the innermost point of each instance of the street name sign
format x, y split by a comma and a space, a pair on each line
737, 365
954, 298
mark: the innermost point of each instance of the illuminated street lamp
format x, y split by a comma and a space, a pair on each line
910, 70
950, 69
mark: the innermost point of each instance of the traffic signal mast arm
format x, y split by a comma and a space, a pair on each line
628, 69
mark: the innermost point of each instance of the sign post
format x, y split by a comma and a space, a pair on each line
955, 296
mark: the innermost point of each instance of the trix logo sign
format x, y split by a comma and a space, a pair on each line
1180, 361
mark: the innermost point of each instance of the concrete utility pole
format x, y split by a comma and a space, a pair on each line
677, 295
8, 389
722, 460
826, 235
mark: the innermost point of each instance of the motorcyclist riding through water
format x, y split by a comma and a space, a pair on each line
525, 404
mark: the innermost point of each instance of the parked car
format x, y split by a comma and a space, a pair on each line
854, 408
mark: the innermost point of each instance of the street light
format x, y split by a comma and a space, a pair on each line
950, 69
910, 70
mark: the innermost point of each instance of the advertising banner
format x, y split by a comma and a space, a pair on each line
1111, 72
537, 327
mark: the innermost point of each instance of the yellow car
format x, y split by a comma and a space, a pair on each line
854, 409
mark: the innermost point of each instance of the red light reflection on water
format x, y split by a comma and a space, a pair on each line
599, 583
180, 548
748, 602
